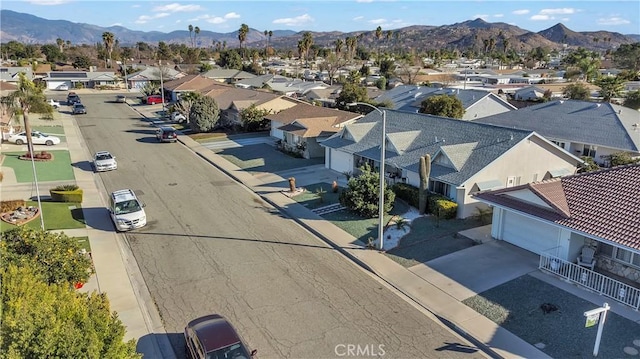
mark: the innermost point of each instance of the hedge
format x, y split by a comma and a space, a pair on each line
442, 205
407, 193
66, 195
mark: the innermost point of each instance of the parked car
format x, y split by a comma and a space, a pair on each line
121, 98
79, 109
72, 98
178, 117
54, 104
154, 99
126, 210
104, 161
37, 137
63, 87
212, 336
166, 134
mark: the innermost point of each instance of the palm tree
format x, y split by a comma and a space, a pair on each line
242, 36
190, 32
379, 36
60, 44
196, 31
109, 39
338, 46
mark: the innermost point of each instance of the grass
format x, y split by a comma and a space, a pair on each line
223, 136
310, 198
51, 130
84, 243
263, 158
57, 170
57, 215
515, 306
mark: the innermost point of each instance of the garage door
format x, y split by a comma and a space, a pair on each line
532, 235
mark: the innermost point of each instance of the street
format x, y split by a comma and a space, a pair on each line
213, 246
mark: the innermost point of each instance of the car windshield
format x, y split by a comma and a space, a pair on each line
234, 351
129, 206
102, 157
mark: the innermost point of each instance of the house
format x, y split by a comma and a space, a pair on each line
80, 79
140, 79
529, 93
476, 103
583, 128
10, 74
188, 83
559, 217
303, 127
466, 157
228, 76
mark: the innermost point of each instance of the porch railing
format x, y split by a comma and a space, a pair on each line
587, 278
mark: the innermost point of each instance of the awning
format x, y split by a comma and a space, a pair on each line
488, 185
560, 172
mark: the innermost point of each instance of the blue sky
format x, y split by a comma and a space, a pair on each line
340, 15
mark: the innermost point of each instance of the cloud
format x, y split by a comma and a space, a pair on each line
143, 19
498, 15
358, 18
294, 21
540, 17
136, 5
364, 1
520, 12
612, 21
377, 21
559, 11
175, 7
217, 20
48, 2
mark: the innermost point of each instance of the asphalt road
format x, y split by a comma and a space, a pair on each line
212, 246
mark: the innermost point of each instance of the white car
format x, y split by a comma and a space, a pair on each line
54, 104
104, 161
63, 87
37, 137
178, 117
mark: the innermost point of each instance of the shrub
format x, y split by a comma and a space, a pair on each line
1, 176
8, 206
66, 193
442, 206
42, 155
407, 192
361, 194
66, 187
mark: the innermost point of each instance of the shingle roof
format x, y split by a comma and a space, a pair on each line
304, 110
600, 124
604, 204
225, 96
189, 83
434, 132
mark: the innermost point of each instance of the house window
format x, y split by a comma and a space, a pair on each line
589, 151
619, 254
439, 187
559, 144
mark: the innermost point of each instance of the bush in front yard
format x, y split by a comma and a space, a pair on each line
8, 206
407, 193
442, 206
66, 193
361, 194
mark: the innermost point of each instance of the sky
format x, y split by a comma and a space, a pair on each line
335, 15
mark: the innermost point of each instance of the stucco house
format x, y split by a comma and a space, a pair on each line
466, 157
10, 74
139, 79
529, 93
303, 127
188, 83
583, 128
476, 103
228, 76
80, 79
560, 217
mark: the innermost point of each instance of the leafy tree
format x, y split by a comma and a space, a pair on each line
627, 56
185, 103
204, 67
621, 158
589, 165
81, 62
633, 100
443, 105
230, 59
576, 91
351, 93
387, 67
164, 51
54, 257
361, 194
204, 114
28, 98
52, 52
150, 88
610, 87
40, 320
253, 118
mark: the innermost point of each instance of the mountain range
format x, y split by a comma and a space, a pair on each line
30, 29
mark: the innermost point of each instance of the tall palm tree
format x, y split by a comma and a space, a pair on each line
109, 40
379, 36
190, 32
266, 43
242, 36
196, 32
338, 46
60, 44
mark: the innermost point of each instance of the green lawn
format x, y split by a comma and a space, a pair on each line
57, 215
57, 131
57, 170
84, 243
264, 158
311, 199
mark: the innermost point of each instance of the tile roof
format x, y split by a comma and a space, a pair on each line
600, 124
482, 143
604, 204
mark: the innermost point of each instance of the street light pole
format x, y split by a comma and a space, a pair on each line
161, 87
382, 181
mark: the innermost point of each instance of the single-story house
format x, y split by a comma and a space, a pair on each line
583, 128
188, 83
567, 219
466, 157
140, 79
10, 74
529, 93
80, 79
228, 76
303, 127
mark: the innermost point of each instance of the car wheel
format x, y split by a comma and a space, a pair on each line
19, 142
49, 143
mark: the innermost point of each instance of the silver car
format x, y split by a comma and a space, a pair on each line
104, 161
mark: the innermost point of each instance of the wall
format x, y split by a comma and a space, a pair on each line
618, 268
487, 107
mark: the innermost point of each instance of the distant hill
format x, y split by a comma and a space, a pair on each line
30, 29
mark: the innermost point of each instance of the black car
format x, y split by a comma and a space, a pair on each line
166, 134
72, 98
79, 109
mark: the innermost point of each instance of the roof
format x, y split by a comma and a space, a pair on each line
226, 96
188, 83
471, 146
123, 195
304, 110
228, 74
214, 332
600, 124
604, 204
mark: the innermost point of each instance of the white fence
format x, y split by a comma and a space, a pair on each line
597, 282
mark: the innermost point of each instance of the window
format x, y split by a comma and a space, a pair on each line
589, 150
558, 143
439, 187
619, 254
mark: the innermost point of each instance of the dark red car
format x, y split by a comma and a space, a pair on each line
154, 99
213, 337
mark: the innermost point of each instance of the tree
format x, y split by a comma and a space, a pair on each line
627, 56
425, 172
60, 44
109, 39
185, 103
610, 87
362, 193
204, 114
81, 62
190, 27
52, 52
40, 320
54, 257
253, 118
28, 98
351, 92
442, 105
242, 37
632, 100
230, 59
196, 32
576, 91
304, 45
150, 88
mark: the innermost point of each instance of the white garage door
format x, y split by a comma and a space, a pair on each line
341, 161
532, 235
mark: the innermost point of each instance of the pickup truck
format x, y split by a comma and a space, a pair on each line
54, 104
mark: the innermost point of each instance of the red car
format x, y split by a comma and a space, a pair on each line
154, 99
213, 337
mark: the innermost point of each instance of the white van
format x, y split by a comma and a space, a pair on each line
126, 211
